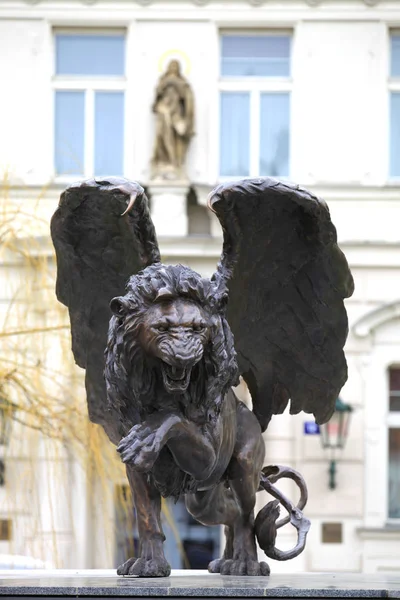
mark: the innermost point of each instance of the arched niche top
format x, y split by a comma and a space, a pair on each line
374, 319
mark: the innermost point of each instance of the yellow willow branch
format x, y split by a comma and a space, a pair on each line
33, 330
35, 400
36, 366
43, 370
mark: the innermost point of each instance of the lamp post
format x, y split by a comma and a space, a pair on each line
334, 435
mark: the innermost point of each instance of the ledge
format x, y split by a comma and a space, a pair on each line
199, 584
379, 533
389, 191
172, 248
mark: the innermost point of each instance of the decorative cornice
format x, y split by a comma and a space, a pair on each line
374, 319
312, 3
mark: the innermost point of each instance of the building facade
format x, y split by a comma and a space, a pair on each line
303, 90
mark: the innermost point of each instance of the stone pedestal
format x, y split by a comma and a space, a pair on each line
169, 208
50, 585
203, 191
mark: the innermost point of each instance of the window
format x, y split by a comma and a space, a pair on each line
255, 104
89, 101
394, 87
394, 443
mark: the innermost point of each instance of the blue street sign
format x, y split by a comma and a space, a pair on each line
311, 428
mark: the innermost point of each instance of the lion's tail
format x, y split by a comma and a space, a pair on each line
267, 524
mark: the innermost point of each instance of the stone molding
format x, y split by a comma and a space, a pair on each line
379, 533
312, 3
374, 319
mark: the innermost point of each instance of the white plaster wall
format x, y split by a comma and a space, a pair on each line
26, 101
363, 221
340, 102
347, 556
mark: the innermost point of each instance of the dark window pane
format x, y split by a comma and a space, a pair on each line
395, 134
199, 554
235, 134
109, 133
394, 387
255, 55
395, 56
69, 132
394, 379
274, 135
90, 54
394, 404
394, 473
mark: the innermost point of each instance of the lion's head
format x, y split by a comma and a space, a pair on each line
169, 330
175, 333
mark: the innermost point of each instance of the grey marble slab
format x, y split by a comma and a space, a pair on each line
199, 584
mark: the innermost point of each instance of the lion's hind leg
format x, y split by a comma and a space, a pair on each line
219, 506
215, 507
243, 473
232, 502
244, 478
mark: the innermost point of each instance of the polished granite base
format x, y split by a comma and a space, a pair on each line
199, 584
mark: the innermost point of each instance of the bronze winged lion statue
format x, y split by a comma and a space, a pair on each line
162, 348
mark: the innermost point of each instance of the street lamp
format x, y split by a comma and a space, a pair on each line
334, 435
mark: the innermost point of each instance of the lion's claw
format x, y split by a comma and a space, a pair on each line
142, 567
140, 447
239, 567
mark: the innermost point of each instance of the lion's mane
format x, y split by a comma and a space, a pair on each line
130, 381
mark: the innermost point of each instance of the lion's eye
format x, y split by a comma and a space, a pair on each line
199, 327
162, 328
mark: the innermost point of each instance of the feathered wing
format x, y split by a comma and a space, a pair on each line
286, 279
98, 249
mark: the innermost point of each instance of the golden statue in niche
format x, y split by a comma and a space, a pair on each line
174, 110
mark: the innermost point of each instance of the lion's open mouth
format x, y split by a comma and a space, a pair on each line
176, 380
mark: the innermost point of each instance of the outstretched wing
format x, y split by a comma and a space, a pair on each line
98, 249
287, 279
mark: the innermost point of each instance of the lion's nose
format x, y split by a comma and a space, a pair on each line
184, 361
186, 353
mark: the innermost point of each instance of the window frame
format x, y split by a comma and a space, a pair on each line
392, 422
254, 86
90, 84
393, 86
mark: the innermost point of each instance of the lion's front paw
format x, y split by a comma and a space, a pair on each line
227, 566
140, 447
142, 567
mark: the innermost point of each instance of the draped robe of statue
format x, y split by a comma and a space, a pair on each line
174, 110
